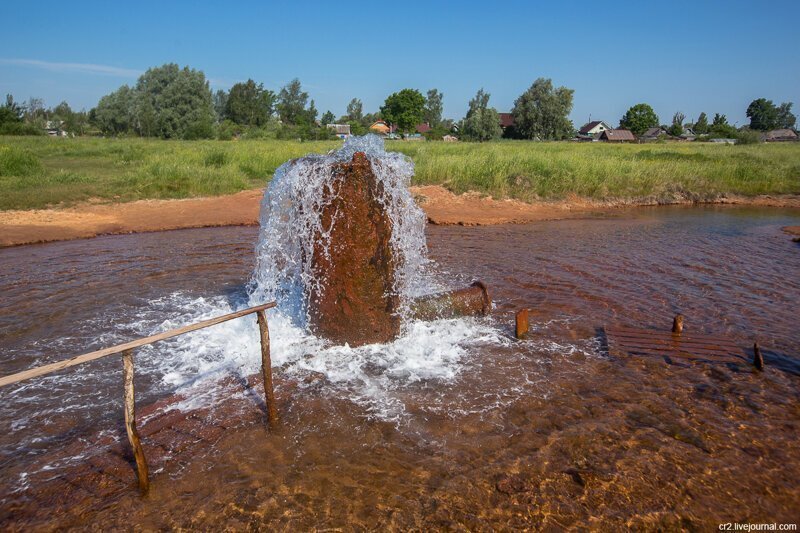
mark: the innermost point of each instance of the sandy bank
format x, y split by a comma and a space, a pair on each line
241, 209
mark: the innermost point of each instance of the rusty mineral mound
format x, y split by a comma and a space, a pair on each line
355, 301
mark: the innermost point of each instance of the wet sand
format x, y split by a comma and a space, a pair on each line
441, 206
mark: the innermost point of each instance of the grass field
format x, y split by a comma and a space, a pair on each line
37, 172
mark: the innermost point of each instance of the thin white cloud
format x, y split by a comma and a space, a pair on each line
82, 68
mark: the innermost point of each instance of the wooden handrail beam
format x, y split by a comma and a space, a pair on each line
91, 356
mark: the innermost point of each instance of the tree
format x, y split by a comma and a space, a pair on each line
355, 110
676, 130
370, 118
220, 100
327, 118
68, 120
482, 122
311, 113
34, 109
11, 112
173, 103
405, 109
63, 117
786, 118
763, 115
113, 114
77, 122
542, 112
701, 126
249, 104
292, 103
721, 128
357, 128
639, 118
61, 112
432, 113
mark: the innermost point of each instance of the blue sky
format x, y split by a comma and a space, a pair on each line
712, 56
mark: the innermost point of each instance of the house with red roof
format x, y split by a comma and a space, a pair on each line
617, 136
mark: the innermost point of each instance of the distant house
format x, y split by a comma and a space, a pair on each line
382, 128
688, 134
423, 128
617, 136
506, 121
55, 128
593, 129
341, 130
723, 141
782, 135
450, 138
652, 134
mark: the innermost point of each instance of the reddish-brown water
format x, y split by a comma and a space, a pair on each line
495, 433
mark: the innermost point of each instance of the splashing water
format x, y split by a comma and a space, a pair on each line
374, 375
291, 220
292, 229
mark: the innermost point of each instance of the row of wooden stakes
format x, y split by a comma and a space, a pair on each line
522, 327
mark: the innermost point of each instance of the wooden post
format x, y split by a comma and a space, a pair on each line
266, 369
758, 359
130, 422
521, 329
677, 324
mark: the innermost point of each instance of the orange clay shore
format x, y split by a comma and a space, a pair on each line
440, 205
794, 231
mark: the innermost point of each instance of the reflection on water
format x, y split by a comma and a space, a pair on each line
492, 433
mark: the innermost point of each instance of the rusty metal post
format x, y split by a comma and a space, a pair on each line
469, 301
130, 422
758, 359
521, 323
266, 369
677, 324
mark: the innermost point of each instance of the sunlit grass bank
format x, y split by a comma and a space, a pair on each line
41, 171
529, 171
36, 172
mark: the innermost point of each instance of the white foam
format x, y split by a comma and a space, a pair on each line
370, 374
291, 230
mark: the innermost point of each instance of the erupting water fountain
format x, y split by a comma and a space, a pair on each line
342, 247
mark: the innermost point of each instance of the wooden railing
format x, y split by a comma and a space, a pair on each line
127, 372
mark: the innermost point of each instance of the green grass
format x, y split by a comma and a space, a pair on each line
530, 171
38, 172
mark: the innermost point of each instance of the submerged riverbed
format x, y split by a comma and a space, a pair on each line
456, 423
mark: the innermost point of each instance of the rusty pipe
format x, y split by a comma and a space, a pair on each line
469, 301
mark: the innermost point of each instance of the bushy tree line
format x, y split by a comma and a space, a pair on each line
32, 118
763, 115
251, 110
540, 113
176, 103
168, 102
